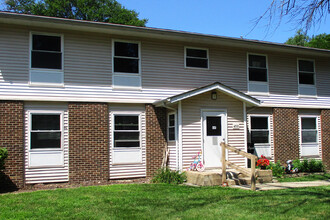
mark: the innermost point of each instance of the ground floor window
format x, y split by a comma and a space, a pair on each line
45, 131
126, 131
171, 127
309, 135
260, 135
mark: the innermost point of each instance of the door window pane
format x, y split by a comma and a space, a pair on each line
259, 130
259, 136
309, 130
308, 123
41, 140
309, 136
213, 126
45, 122
171, 127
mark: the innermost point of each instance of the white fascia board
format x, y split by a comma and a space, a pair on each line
70, 99
294, 106
213, 87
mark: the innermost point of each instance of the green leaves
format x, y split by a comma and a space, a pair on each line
91, 10
3, 156
302, 39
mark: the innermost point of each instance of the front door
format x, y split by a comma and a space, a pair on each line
214, 132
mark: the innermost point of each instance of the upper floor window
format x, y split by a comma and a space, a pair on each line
171, 127
126, 64
46, 52
195, 57
46, 59
257, 73
126, 57
306, 77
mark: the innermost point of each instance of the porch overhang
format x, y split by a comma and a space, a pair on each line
214, 86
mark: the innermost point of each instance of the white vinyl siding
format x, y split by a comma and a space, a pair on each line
47, 173
88, 70
133, 169
192, 127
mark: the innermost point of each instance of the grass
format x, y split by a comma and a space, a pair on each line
163, 201
312, 177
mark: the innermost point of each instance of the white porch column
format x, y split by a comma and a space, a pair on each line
180, 135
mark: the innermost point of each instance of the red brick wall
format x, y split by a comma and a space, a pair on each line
88, 142
286, 130
155, 137
325, 135
11, 137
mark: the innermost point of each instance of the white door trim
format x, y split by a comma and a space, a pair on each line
224, 126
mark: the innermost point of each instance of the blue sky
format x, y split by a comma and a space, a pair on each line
220, 17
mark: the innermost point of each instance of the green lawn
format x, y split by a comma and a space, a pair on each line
161, 201
312, 177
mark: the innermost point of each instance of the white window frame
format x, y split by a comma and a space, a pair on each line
269, 131
128, 75
43, 70
306, 86
168, 127
113, 129
44, 112
196, 48
250, 82
317, 117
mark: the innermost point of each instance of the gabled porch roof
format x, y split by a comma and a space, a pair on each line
214, 86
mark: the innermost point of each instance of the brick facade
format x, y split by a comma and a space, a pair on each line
325, 135
286, 130
88, 142
11, 137
155, 137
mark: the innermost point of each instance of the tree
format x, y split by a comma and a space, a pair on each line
91, 10
304, 13
301, 39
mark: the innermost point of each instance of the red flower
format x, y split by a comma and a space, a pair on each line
263, 161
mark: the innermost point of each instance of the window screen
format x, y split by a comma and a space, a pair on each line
308, 130
196, 58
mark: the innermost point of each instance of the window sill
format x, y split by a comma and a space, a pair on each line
307, 96
258, 93
42, 167
46, 85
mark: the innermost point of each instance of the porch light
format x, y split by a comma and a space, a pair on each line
214, 95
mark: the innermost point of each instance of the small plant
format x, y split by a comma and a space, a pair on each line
262, 162
166, 175
309, 166
3, 156
278, 170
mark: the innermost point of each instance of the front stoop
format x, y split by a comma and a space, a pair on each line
214, 178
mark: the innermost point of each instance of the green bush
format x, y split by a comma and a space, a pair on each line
309, 166
166, 175
278, 170
3, 156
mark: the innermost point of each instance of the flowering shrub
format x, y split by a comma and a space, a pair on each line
262, 162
